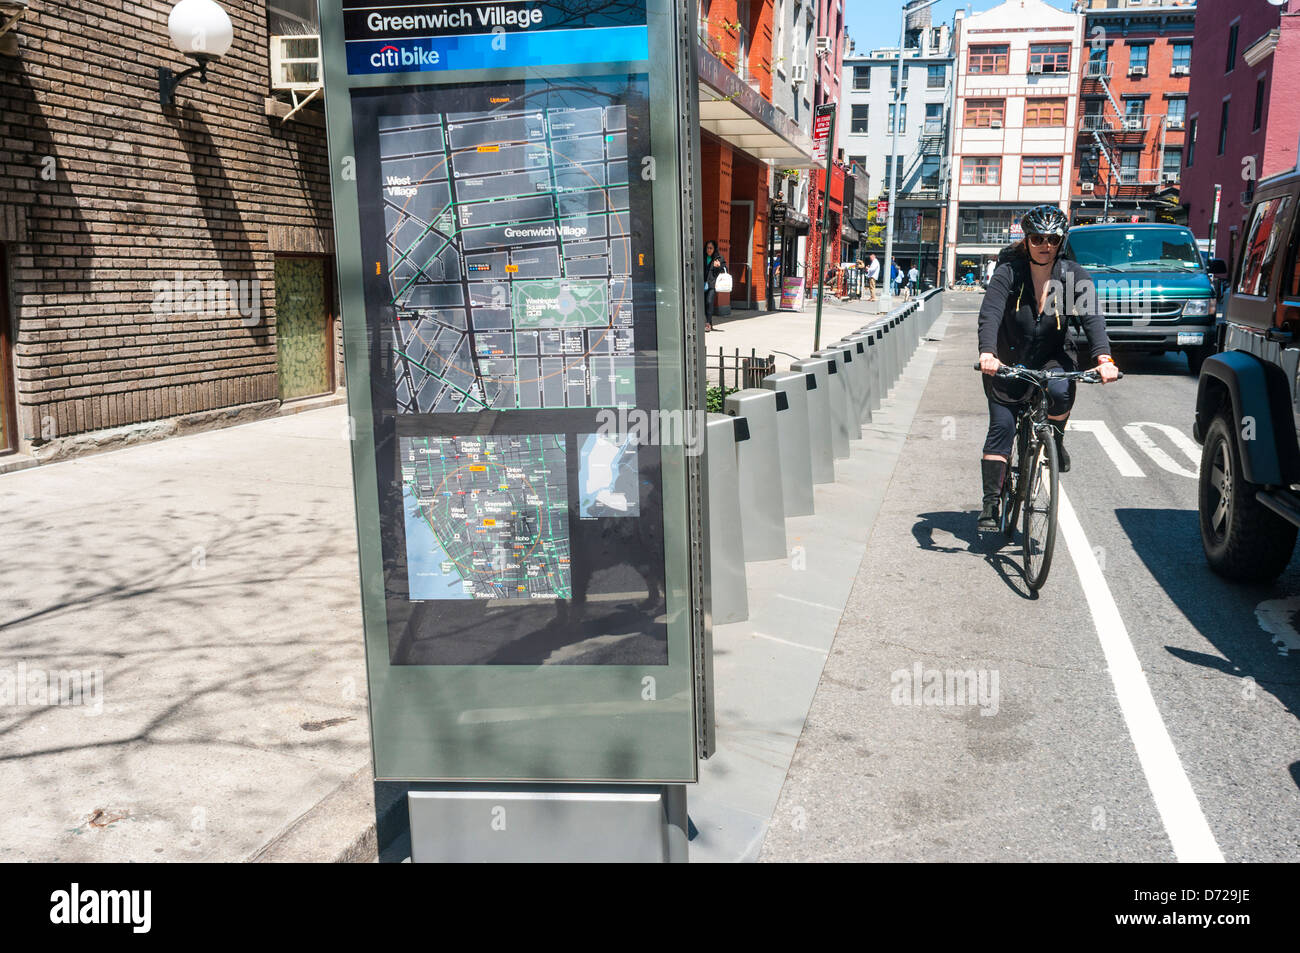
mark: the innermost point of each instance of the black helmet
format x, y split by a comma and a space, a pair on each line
1045, 220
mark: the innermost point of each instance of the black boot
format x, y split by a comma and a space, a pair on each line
994, 471
1062, 458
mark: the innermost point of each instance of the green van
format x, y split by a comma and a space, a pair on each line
1153, 286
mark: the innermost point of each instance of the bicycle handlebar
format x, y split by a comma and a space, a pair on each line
1089, 376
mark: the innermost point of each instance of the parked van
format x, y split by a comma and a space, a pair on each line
1153, 286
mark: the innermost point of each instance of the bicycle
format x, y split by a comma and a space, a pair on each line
1033, 471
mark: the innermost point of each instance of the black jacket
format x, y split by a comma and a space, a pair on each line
1011, 327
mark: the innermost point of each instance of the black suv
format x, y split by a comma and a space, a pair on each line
1246, 401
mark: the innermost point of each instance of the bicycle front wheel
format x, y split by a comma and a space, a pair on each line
1041, 473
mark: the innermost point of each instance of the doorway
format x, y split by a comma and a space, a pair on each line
304, 326
8, 409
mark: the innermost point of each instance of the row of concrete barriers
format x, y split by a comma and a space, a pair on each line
775, 443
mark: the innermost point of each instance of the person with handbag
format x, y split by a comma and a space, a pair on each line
716, 279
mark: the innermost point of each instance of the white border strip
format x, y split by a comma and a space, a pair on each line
1189, 832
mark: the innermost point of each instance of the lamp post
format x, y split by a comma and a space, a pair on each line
201, 30
887, 298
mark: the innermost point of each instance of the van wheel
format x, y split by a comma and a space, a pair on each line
1242, 538
1196, 357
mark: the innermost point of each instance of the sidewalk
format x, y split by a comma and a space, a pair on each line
212, 580
787, 335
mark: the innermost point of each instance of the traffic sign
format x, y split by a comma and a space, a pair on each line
821, 131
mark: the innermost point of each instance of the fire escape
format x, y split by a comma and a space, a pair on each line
1114, 131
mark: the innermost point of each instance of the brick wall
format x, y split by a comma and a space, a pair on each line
104, 193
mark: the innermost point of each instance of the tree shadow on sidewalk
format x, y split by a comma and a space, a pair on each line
1000, 555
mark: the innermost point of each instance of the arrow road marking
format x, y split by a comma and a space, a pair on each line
1185, 823
1126, 465
1137, 433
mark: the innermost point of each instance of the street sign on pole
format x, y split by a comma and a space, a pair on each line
882, 208
823, 120
525, 430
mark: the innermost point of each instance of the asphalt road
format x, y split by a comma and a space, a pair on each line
1136, 709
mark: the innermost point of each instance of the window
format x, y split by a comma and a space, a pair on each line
1259, 105
936, 76
981, 170
930, 172
1191, 143
970, 224
1040, 170
1128, 166
1261, 249
1044, 112
896, 169
1182, 56
988, 58
1098, 63
862, 77
859, 161
1135, 107
1173, 161
858, 116
1232, 49
1139, 56
984, 112
902, 119
1049, 57
893, 75
1177, 112
1223, 127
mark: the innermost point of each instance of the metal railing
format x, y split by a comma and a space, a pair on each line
737, 370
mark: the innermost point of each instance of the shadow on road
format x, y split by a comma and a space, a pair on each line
1003, 557
1168, 541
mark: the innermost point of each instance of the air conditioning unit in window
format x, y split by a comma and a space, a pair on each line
823, 45
1137, 70
295, 62
1035, 67
1086, 186
1170, 177
1175, 124
1182, 71
995, 124
799, 74
1132, 125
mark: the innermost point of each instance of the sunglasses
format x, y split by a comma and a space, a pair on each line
1052, 240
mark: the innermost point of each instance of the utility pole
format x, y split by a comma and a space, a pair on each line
891, 162
826, 205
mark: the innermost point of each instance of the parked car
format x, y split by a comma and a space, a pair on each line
1153, 286
1246, 398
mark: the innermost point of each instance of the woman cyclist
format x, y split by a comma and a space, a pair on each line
1025, 320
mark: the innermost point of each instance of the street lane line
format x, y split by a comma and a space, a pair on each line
794, 645
1137, 433
1185, 823
1110, 443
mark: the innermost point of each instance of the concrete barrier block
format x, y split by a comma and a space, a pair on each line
838, 397
761, 489
817, 370
796, 450
730, 598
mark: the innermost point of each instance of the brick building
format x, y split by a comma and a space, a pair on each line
1243, 109
157, 261
1016, 97
744, 134
1133, 110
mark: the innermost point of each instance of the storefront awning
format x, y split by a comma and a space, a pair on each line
738, 114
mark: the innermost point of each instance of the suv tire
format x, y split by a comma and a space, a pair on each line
1242, 538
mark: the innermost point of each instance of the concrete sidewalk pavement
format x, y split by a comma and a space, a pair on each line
211, 580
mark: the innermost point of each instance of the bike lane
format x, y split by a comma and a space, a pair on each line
896, 760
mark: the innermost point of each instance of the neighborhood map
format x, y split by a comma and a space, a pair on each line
486, 517
508, 257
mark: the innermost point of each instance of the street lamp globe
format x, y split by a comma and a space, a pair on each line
200, 28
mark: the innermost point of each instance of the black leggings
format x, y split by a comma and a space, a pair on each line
710, 305
1002, 417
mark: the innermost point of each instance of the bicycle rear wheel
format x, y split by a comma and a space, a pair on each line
1041, 485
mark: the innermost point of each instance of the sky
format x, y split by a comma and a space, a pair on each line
875, 23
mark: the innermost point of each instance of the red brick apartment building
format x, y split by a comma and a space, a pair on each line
157, 262
1243, 110
1133, 110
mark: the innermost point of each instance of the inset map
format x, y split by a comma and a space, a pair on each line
486, 517
608, 476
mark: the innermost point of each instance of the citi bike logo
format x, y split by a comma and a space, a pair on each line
390, 57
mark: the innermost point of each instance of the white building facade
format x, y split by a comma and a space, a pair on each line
1017, 73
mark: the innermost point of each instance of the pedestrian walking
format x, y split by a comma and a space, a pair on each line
714, 267
914, 280
873, 275
893, 277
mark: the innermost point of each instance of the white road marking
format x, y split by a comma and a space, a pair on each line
1126, 465
1185, 823
1277, 618
797, 645
807, 602
1137, 433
